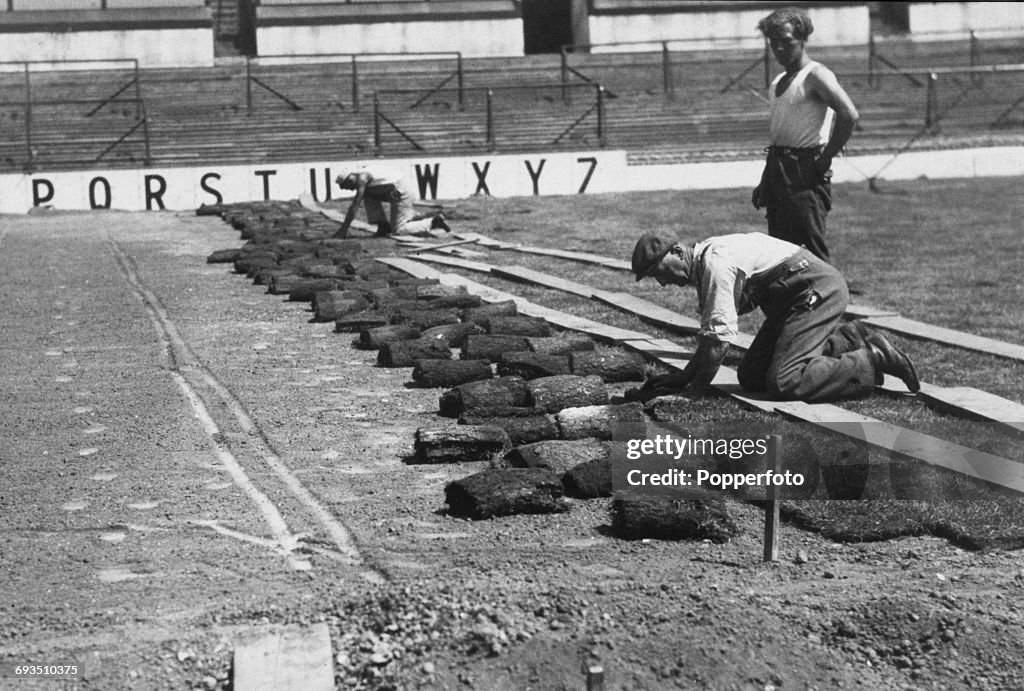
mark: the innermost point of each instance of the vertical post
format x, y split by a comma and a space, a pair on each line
376, 123
145, 132
975, 60
871, 60
462, 104
771, 507
767, 64
490, 121
595, 678
565, 72
248, 84
931, 113
138, 90
600, 116
355, 84
28, 119
666, 71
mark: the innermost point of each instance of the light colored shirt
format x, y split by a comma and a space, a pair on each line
796, 119
723, 267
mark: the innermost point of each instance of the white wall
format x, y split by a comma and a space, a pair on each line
483, 38
187, 188
1005, 161
563, 173
929, 17
843, 25
163, 48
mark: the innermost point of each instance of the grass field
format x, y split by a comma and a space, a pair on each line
949, 253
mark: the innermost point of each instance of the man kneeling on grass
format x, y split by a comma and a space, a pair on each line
803, 351
377, 185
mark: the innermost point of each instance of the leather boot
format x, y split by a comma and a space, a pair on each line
847, 337
858, 333
888, 359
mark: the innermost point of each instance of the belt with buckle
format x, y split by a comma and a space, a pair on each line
793, 150
795, 263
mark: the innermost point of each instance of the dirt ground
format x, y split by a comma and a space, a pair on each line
184, 459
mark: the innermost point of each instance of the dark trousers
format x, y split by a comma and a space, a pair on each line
797, 199
787, 357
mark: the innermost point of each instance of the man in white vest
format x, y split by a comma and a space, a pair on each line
812, 118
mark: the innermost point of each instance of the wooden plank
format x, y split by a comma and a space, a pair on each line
583, 257
647, 310
976, 404
467, 264
520, 273
658, 347
906, 442
866, 312
939, 334
613, 333
285, 657
415, 269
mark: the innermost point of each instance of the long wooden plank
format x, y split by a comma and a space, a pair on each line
567, 321
520, 273
906, 442
939, 334
973, 403
413, 268
658, 347
585, 257
467, 264
288, 657
867, 312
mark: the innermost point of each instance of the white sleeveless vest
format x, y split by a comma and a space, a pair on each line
797, 120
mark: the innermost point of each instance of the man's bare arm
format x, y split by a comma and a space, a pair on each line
703, 367
697, 374
824, 85
353, 207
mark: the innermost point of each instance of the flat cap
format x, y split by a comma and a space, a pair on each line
649, 251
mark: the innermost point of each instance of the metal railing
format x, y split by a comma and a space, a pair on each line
932, 80
982, 48
353, 60
472, 125
30, 102
880, 62
666, 48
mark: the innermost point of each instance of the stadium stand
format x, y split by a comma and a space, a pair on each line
474, 27
154, 32
671, 99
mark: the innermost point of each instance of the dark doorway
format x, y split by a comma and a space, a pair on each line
547, 25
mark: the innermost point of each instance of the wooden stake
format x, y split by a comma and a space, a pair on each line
771, 508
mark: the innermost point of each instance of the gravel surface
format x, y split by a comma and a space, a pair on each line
185, 458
